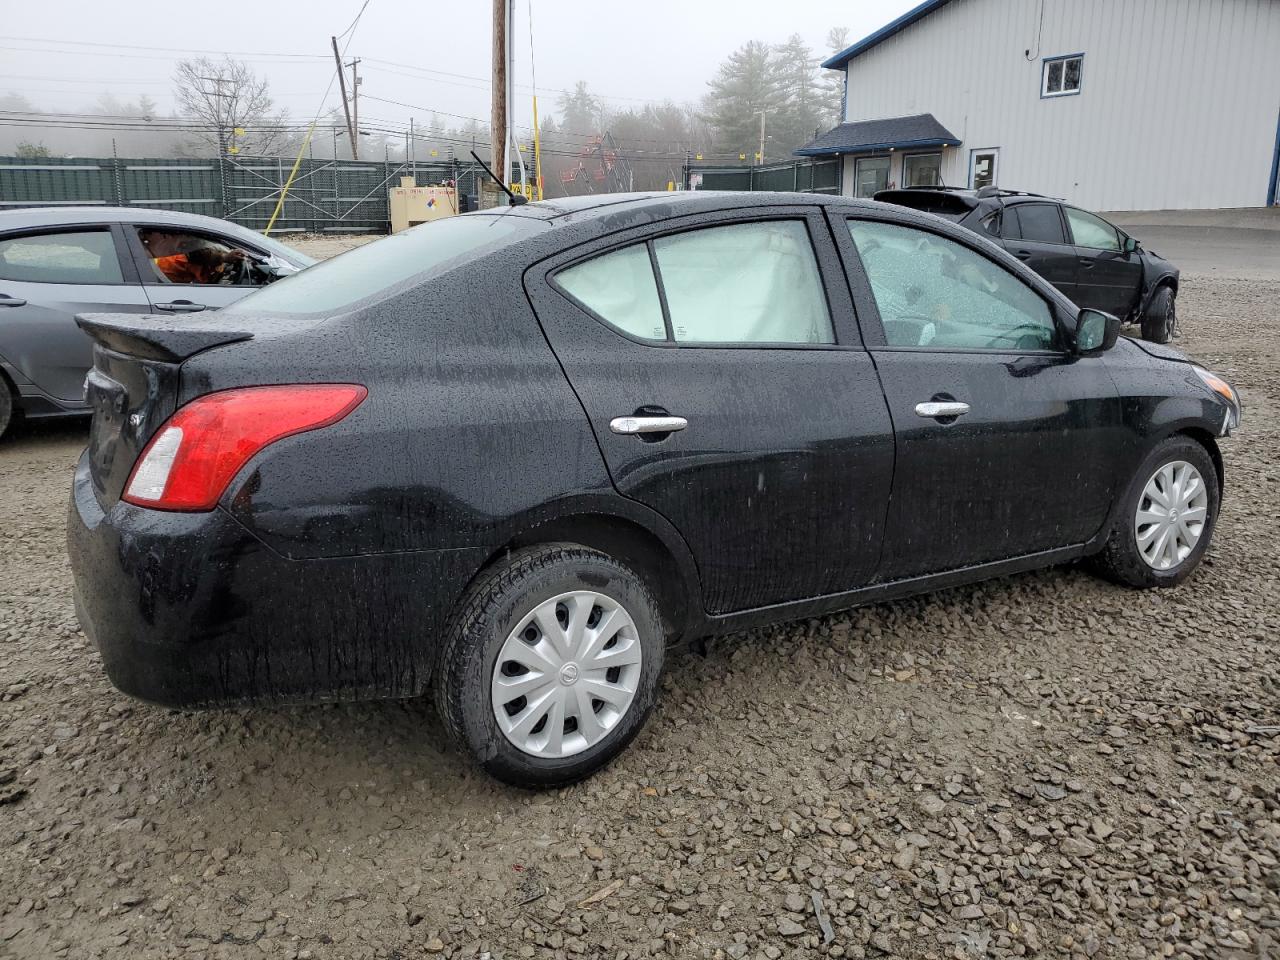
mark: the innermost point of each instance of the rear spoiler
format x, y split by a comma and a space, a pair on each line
168, 339
930, 200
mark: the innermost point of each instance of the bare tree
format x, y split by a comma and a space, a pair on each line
226, 96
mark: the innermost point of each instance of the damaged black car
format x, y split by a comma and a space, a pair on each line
1095, 263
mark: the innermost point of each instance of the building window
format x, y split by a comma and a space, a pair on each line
922, 170
870, 176
1062, 75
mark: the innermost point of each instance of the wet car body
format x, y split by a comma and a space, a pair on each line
334, 561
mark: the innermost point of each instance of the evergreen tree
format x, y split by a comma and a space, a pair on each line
832, 83
743, 87
800, 107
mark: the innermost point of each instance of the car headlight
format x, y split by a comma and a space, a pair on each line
1226, 392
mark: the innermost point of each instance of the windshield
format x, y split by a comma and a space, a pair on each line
288, 254
377, 267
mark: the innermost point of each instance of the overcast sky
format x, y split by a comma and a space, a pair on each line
669, 51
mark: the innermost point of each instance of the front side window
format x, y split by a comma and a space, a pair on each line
739, 283
922, 170
935, 293
85, 257
1061, 76
180, 256
1090, 231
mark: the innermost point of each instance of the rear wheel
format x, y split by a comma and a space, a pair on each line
1166, 519
551, 666
6, 406
1161, 316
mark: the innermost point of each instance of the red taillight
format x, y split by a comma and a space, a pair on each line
191, 459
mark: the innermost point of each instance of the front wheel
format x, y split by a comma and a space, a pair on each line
1161, 316
6, 406
1166, 518
551, 665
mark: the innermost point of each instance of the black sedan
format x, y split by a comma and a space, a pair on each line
1095, 263
510, 456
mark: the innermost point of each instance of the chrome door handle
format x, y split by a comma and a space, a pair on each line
7, 301
180, 306
630, 426
935, 409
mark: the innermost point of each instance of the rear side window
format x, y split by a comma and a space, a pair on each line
620, 288
384, 264
1040, 222
85, 257
745, 283
739, 283
1090, 231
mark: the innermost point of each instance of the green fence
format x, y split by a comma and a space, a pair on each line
804, 176
327, 196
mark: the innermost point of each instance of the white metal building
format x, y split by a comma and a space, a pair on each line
1112, 104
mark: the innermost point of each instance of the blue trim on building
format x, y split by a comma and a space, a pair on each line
1044, 69
872, 148
884, 33
1273, 190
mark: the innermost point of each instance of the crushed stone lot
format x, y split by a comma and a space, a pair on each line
1045, 765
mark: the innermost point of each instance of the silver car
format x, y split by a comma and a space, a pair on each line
56, 262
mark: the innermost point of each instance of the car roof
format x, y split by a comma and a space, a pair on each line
669, 203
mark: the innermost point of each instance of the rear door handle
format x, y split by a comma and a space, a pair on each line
12, 301
180, 306
936, 409
633, 426
1087, 261
1023, 254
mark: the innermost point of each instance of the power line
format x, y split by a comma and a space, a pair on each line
220, 53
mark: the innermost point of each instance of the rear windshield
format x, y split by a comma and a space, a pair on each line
378, 267
942, 204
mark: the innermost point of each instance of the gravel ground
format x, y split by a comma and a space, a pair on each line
1045, 765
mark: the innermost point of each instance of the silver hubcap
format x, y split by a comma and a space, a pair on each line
1171, 515
566, 674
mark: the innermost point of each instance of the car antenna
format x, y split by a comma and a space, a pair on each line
515, 198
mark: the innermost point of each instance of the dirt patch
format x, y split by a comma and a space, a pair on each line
1045, 765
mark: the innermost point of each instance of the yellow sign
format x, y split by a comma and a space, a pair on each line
233, 149
742, 156
435, 153
698, 157
671, 185
238, 132
757, 156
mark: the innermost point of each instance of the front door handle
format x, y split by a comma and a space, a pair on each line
633, 426
1023, 254
11, 301
180, 306
937, 409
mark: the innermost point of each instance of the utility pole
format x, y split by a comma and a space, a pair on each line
346, 109
355, 108
760, 155
498, 106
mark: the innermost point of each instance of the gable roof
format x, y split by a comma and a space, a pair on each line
884, 33
867, 136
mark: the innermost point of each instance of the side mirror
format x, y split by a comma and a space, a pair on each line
1130, 245
1096, 332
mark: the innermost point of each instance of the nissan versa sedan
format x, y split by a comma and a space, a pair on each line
510, 456
56, 262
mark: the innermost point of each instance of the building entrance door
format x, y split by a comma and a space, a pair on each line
870, 175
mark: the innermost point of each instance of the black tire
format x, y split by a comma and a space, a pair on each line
492, 608
1120, 559
7, 412
1161, 316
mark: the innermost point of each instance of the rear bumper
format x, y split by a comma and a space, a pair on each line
190, 609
